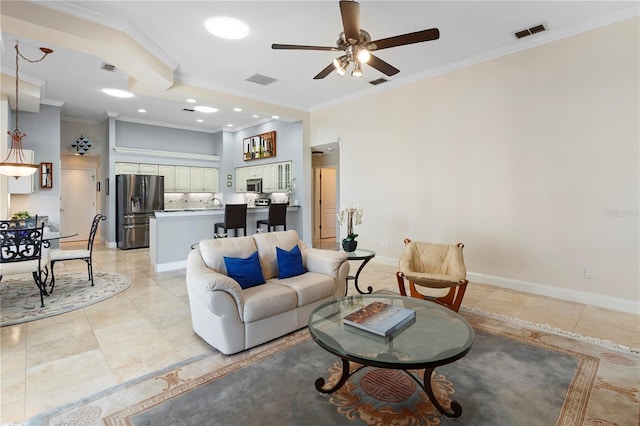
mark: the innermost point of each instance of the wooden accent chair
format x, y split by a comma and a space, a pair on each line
277, 217
235, 217
80, 254
437, 268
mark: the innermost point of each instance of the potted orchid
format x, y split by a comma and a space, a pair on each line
351, 216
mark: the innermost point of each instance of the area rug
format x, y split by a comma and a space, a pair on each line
513, 375
20, 298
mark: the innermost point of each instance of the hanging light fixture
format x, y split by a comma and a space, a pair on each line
81, 145
16, 164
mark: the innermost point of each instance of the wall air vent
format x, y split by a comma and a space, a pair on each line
529, 31
378, 81
263, 80
188, 110
108, 67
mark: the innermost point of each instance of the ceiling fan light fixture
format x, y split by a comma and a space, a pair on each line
363, 56
357, 70
341, 64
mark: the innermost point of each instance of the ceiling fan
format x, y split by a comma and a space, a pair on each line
357, 45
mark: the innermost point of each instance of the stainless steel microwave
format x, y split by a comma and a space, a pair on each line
254, 185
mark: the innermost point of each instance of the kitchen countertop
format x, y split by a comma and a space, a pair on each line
211, 211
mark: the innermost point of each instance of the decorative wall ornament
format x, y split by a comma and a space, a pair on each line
259, 146
81, 145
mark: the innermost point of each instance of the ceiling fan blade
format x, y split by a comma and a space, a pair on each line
382, 66
350, 11
325, 72
409, 38
300, 47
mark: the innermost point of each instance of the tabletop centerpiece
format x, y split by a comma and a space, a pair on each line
351, 216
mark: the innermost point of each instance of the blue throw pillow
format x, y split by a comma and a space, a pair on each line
290, 262
247, 272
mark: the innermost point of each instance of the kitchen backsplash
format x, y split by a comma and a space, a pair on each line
178, 201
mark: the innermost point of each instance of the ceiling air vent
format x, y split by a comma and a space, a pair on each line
261, 79
108, 67
529, 31
378, 81
188, 109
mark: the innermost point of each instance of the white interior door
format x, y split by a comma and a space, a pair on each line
327, 201
77, 203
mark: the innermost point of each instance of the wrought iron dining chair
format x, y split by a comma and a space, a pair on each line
235, 217
21, 252
438, 269
277, 217
79, 254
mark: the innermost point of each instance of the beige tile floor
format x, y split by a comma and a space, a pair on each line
48, 363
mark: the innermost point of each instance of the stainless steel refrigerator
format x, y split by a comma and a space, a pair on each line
137, 197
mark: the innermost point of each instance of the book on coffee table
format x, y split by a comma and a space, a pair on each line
379, 318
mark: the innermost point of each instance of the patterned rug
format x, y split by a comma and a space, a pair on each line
513, 375
20, 298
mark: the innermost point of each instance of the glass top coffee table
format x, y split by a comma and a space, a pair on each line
438, 336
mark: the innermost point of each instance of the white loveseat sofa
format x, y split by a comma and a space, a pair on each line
233, 319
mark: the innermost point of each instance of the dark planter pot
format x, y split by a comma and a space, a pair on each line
349, 245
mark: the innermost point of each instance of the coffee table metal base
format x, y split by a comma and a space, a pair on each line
456, 408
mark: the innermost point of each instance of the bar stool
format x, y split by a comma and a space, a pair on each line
235, 217
277, 217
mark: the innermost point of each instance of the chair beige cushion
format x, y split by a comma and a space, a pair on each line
69, 254
432, 265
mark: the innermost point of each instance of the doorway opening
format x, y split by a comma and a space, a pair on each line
325, 163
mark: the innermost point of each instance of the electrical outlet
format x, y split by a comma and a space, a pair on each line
588, 273
384, 244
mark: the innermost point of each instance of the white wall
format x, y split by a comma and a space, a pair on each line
43, 137
531, 160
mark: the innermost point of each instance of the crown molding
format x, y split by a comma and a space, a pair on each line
169, 154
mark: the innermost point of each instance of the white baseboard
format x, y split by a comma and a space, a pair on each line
602, 301
170, 266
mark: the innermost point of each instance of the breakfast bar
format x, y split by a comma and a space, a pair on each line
173, 232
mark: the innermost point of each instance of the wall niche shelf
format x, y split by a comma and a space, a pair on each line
46, 175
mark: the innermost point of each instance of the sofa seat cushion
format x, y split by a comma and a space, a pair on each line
309, 287
267, 300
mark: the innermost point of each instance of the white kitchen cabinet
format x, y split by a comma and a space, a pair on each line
148, 169
182, 178
210, 179
127, 168
241, 179
270, 178
283, 176
25, 184
169, 177
197, 181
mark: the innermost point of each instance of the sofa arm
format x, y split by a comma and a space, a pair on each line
324, 261
205, 279
329, 262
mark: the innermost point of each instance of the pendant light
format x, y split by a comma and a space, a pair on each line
16, 164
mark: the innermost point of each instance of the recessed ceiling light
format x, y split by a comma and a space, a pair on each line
237, 109
207, 109
200, 120
275, 117
229, 125
191, 101
255, 116
227, 27
142, 110
118, 93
